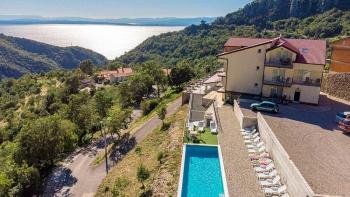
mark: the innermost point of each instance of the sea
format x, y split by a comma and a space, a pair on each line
109, 40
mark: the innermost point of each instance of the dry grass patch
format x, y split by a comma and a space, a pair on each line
160, 154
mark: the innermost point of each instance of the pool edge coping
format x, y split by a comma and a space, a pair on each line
222, 168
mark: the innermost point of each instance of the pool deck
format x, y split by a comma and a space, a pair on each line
240, 175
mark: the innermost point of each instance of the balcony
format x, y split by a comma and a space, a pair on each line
308, 82
280, 63
279, 81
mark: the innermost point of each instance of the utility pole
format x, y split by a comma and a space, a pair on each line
104, 136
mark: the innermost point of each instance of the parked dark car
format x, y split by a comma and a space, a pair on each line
265, 106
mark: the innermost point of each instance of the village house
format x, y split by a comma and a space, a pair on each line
340, 61
285, 69
114, 76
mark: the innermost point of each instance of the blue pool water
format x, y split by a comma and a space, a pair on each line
202, 173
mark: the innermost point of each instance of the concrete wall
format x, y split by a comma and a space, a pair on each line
185, 97
243, 72
244, 121
238, 113
290, 175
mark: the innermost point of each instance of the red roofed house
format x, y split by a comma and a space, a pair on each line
280, 68
118, 75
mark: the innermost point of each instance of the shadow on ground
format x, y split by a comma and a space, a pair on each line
124, 145
63, 178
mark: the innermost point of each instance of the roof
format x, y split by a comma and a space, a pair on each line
213, 79
308, 51
120, 72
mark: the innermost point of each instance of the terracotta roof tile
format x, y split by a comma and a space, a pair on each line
309, 51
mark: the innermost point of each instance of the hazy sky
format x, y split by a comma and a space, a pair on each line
120, 8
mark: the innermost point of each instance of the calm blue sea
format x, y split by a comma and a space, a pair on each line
109, 40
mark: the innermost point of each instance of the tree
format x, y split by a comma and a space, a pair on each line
86, 67
118, 119
135, 88
142, 174
156, 73
44, 140
162, 113
82, 111
72, 84
104, 101
182, 73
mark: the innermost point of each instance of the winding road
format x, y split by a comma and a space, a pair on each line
75, 176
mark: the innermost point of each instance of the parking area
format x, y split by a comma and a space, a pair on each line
311, 138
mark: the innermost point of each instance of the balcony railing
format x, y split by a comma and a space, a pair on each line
308, 82
280, 81
287, 63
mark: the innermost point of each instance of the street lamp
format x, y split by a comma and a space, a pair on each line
104, 136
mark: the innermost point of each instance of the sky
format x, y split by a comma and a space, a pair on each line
120, 8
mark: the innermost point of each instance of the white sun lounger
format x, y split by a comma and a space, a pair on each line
267, 175
255, 150
262, 162
252, 141
247, 132
246, 137
259, 145
267, 168
276, 190
271, 182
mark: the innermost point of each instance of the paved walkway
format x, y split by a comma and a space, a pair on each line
240, 175
75, 177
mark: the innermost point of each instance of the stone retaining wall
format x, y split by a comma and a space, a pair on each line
337, 85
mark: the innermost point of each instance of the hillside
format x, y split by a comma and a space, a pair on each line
316, 19
19, 56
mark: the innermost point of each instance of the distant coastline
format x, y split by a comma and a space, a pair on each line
169, 21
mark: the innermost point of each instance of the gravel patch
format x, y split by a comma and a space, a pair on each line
240, 175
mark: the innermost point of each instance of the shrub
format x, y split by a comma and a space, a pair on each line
160, 156
148, 105
138, 150
142, 174
120, 184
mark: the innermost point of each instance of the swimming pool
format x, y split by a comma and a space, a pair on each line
202, 172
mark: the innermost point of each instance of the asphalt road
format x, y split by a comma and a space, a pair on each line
75, 177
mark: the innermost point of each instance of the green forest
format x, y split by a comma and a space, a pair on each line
44, 117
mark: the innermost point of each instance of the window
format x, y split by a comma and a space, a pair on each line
256, 84
258, 67
259, 50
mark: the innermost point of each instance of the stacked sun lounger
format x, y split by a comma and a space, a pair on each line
268, 177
